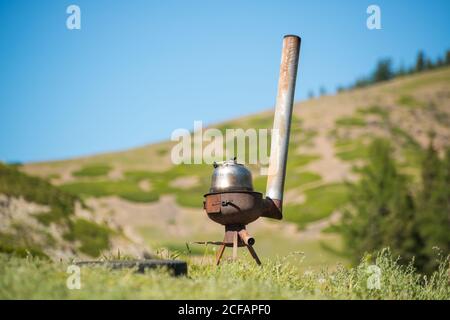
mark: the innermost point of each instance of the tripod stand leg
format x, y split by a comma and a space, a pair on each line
220, 253
235, 245
253, 253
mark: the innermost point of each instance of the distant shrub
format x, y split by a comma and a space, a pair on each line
409, 101
95, 170
125, 189
94, 238
358, 152
14, 183
296, 160
351, 122
17, 184
162, 151
18, 246
141, 196
374, 110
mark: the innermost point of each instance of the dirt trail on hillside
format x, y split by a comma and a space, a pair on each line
329, 167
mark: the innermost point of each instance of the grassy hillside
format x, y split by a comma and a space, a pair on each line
160, 204
39, 219
128, 203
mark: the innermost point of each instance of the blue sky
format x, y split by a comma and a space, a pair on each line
137, 70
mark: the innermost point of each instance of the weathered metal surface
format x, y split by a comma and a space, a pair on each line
213, 203
282, 120
235, 207
236, 236
246, 237
231, 176
272, 209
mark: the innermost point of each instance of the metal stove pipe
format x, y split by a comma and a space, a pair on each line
282, 123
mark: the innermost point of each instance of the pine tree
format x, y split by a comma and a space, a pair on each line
383, 71
420, 61
382, 211
434, 213
429, 64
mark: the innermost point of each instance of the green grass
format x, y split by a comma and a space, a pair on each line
191, 198
52, 176
93, 170
269, 245
33, 278
374, 110
125, 189
93, 238
129, 189
181, 248
17, 184
404, 138
320, 203
303, 137
410, 102
161, 182
351, 122
426, 79
351, 149
259, 122
20, 246
162, 151
344, 143
295, 180
359, 152
296, 160
100, 188
140, 196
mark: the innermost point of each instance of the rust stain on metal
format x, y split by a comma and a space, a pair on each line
213, 203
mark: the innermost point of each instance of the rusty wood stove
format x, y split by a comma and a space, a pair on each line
232, 202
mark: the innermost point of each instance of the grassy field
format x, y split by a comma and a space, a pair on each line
143, 191
320, 203
32, 278
93, 170
34, 233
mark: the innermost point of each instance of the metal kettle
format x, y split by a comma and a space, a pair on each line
230, 176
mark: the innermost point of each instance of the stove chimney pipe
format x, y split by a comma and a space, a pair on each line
282, 122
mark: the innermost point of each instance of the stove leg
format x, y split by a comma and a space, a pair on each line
220, 253
253, 253
235, 245
236, 236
